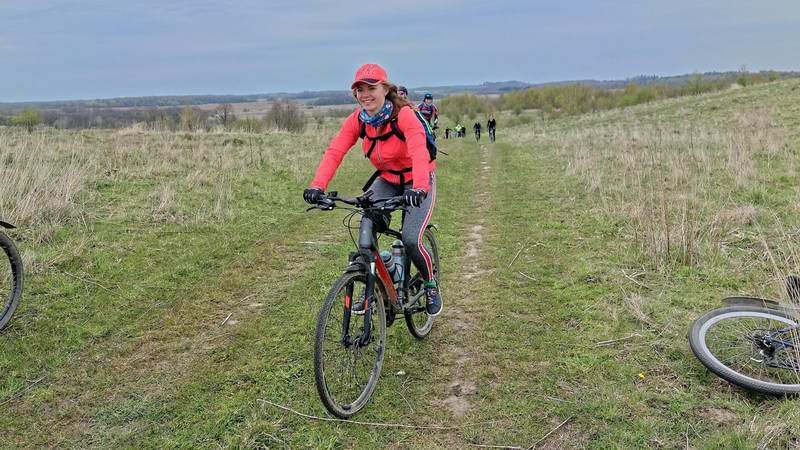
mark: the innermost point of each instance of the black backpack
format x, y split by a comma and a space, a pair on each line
394, 130
430, 139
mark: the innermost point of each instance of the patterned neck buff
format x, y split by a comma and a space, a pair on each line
379, 118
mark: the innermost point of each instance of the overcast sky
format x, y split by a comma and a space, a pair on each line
76, 49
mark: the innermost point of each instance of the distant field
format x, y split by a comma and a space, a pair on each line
576, 252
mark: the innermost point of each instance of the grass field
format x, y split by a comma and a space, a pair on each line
576, 252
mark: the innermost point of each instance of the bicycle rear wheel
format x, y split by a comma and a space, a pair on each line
755, 348
346, 373
10, 279
418, 321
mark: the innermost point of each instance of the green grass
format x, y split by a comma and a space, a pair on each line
120, 343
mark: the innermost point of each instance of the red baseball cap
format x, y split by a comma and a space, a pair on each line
370, 74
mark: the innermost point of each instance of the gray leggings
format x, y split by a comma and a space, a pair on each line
417, 220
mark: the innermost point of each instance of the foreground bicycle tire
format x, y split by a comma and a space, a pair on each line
420, 323
10, 279
329, 350
753, 370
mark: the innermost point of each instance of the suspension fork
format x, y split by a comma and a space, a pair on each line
348, 300
366, 264
369, 295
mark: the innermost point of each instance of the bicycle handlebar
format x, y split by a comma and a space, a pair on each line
328, 202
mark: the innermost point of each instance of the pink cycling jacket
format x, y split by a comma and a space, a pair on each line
391, 154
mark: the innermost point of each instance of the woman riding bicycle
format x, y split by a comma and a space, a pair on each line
403, 166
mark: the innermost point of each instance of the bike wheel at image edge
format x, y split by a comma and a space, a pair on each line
346, 375
420, 323
10, 279
739, 357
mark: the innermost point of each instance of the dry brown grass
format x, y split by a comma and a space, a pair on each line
674, 181
53, 177
637, 305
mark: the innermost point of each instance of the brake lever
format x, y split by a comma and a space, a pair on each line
324, 204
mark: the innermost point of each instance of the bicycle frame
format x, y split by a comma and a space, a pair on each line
774, 337
368, 259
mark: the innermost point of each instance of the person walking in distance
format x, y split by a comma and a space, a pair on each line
491, 125
404, 165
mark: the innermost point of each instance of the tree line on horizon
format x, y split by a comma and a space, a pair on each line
570, 99
551, 100
282, 115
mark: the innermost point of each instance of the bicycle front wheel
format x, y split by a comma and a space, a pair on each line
10, 279
346, 369
755, 348
417, 319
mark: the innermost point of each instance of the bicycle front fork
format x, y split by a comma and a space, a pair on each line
369, 294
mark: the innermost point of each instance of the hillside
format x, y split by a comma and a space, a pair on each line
344, 97
174, 281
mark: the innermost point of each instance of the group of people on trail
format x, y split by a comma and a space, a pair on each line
461, 131
458, 131
491, 125
396, 142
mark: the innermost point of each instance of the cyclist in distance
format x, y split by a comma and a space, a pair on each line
429, 110
477, 128
491, 125
403, 166
402, 91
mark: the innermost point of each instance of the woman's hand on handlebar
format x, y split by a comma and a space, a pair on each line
313, 195
414, 197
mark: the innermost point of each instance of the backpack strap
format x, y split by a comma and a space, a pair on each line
371, 180
395, 131
401, 173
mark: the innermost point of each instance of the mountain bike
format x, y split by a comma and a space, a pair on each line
349, 344
751, 342
10, 277
492, 136
477, 134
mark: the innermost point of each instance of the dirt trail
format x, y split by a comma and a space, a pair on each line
461, 386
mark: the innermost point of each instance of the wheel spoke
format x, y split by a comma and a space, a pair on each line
735, 342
